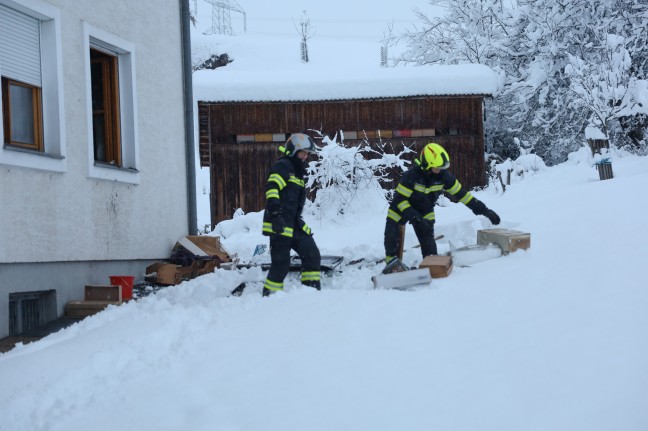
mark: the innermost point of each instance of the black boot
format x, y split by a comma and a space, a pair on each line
313, 283
238, 290
394, 265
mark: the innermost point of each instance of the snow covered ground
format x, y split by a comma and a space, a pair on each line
552, 338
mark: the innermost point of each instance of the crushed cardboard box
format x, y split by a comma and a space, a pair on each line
192, 256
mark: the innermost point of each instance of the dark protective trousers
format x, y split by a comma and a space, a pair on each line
425, 237
305, 247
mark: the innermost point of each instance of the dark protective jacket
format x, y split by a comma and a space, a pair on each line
285, 196
418, 191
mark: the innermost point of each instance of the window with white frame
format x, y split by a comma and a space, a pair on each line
31, 86
111, 117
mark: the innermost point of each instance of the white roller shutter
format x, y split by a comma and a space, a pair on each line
20, 46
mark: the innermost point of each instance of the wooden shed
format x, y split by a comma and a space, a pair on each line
239, 138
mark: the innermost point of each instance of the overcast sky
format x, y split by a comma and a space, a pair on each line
333, 19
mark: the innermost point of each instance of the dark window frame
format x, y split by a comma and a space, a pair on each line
37, 115
106, 122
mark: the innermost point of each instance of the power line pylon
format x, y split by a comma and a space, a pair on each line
221, 16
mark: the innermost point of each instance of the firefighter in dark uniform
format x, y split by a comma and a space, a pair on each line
415, 198
282, 221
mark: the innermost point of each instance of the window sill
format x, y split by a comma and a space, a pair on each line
119, 168
32, 152
110, 172
30, 159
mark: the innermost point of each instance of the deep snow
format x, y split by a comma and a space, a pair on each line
549, 338
553, 338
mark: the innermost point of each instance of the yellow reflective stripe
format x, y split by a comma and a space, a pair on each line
429, 216
267, 227
466, 198
403, 206
394, 216
277, 179
455, 188
310, 276
435, 188
293, 179
404, 191
419, 188
272, 193
306, 229
272, 285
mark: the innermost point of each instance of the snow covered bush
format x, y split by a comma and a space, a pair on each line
514, 171
347, 179
240, 222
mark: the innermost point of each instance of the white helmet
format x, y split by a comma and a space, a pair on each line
298, 142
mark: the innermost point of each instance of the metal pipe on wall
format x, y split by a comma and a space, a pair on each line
185, 17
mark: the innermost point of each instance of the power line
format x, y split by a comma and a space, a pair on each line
336, 20
315, 36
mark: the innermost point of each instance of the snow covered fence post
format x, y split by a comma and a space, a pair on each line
603, 165
605, 169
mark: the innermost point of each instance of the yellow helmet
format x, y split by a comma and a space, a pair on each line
434, 156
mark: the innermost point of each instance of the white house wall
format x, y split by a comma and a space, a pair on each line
64, 214
64, 221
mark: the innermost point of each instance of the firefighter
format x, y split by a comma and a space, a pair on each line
282, 221
415, 198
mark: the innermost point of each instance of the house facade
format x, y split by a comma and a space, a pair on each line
93, 162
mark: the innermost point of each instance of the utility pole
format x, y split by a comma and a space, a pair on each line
221, 17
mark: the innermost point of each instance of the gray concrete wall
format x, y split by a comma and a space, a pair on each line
68, 279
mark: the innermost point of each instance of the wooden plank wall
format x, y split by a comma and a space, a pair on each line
225, 119
239, 171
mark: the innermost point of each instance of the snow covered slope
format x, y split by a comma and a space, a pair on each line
553, 338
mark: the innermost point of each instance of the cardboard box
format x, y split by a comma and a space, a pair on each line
203, 246
439, 266
171, 274
103, 293
202, 267
165, 273
507, 240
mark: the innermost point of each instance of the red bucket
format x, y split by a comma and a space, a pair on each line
126, 282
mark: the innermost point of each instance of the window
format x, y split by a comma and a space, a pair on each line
21, 104
31, 87
105, 107
111, 106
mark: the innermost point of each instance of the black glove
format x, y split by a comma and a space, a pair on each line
492, 216
278, 225
420, 222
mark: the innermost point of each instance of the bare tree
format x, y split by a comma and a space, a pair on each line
305, 31
388, 41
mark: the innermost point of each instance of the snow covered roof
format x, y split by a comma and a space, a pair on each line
306, 82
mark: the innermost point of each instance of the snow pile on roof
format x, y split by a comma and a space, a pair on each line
228, 84
271, 70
